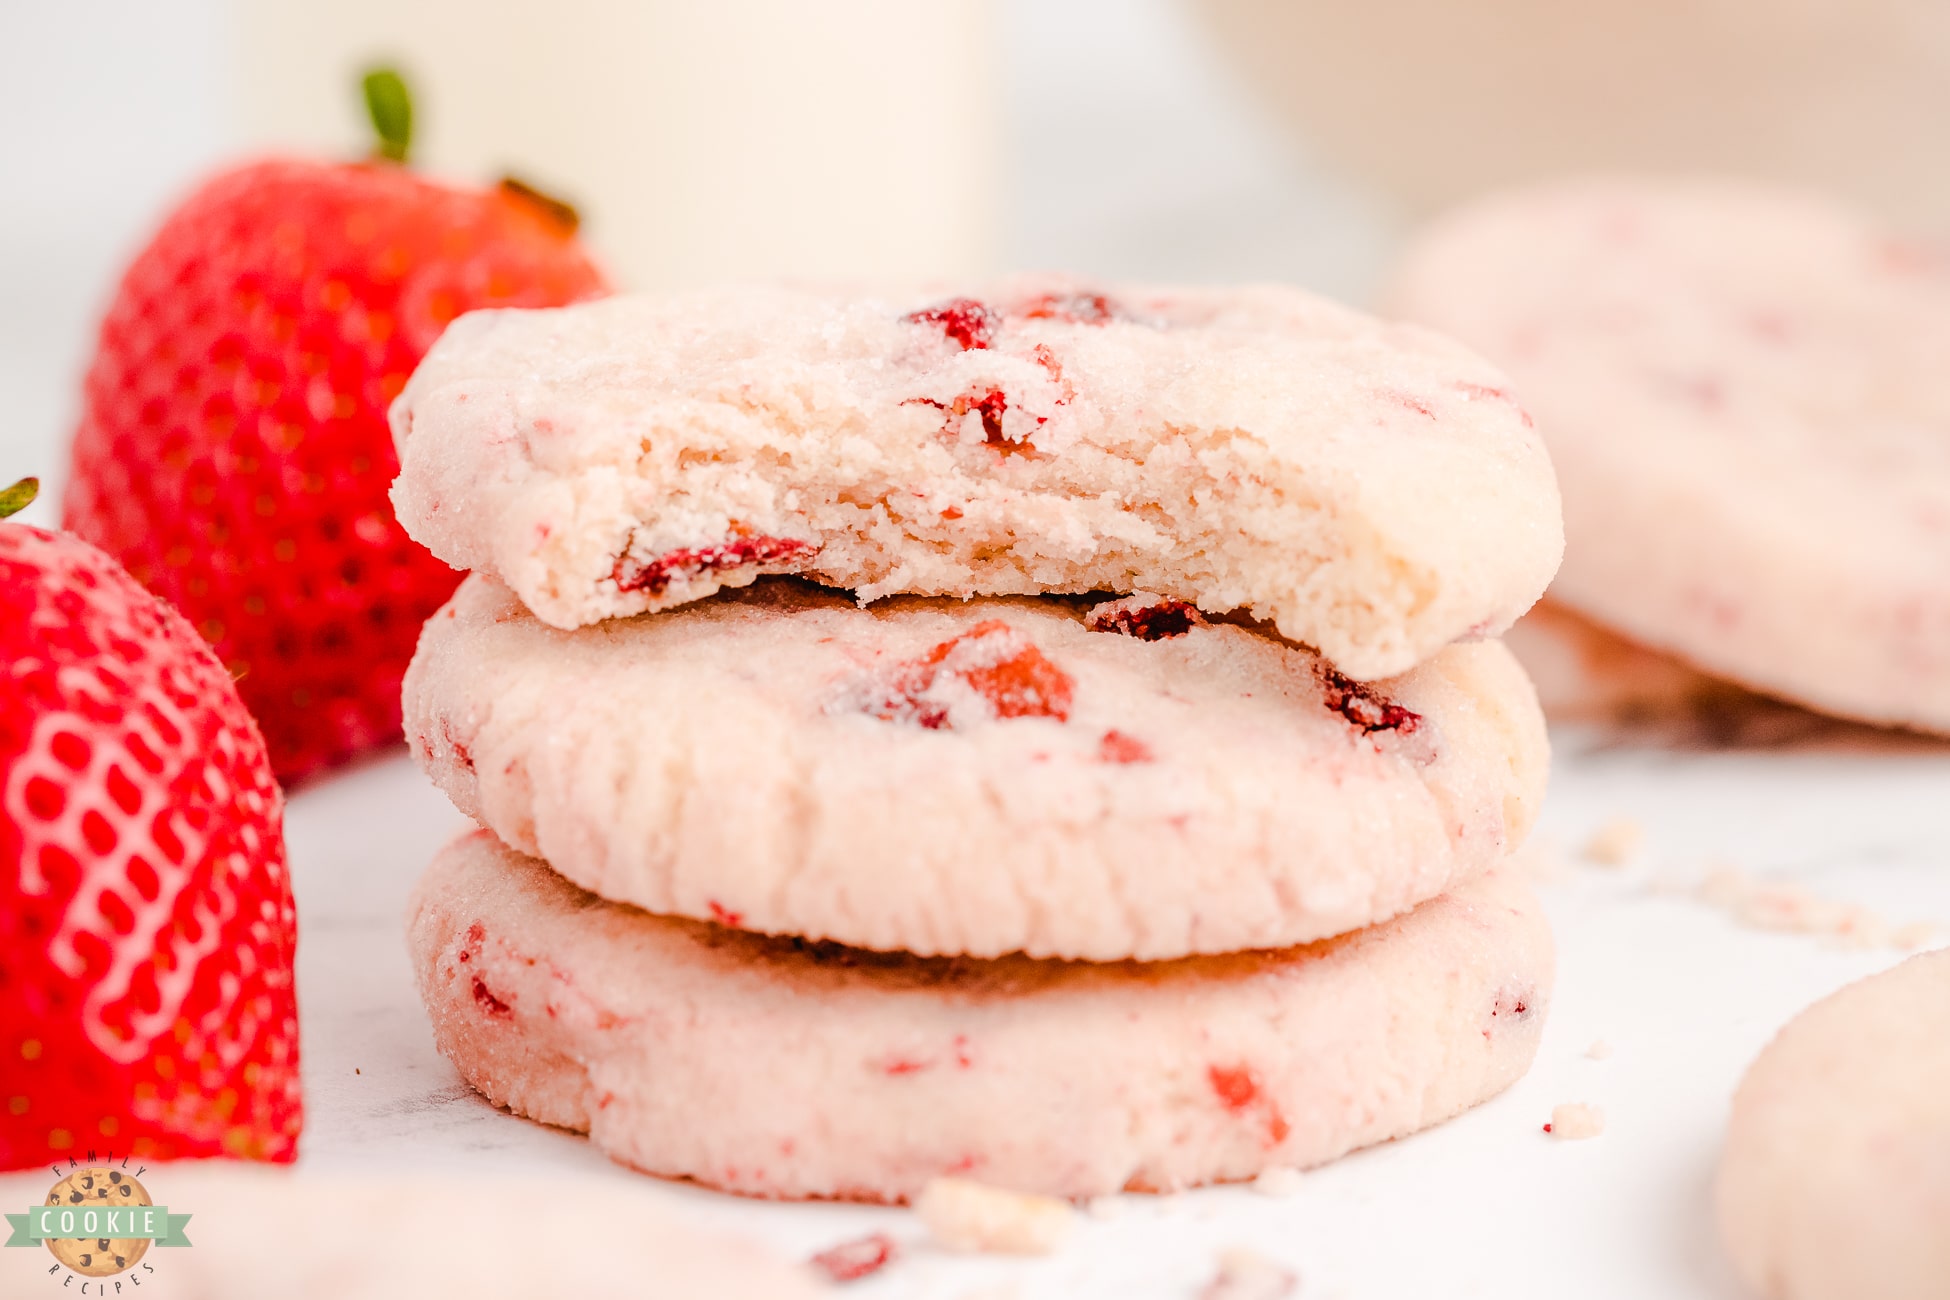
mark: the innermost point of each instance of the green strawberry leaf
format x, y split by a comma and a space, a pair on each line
390, 107
17, 498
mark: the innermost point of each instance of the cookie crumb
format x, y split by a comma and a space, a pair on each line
972, 1216
852, 1260
1600, 1050
1280, 1180
1794, 909
1574, 1120
1248, 1275
1913, 936
1615, 843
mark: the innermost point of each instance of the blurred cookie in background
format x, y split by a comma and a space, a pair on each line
1588, 676
1743, 394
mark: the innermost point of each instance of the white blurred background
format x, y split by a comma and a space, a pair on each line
710, 139
1104, 136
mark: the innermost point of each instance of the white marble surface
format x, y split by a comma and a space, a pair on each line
1484, 1206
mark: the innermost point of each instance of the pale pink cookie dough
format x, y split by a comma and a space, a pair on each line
1370, 488
1835, 1180
1745, 396
979, 777
781, 1068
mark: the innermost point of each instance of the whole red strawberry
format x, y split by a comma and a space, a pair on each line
233, 449
146, 926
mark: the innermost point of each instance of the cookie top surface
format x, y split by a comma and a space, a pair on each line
1744, 396
667, 1040
1835, 1179
1370, 488
939, 776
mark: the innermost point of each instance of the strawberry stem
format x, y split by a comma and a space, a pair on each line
18, 497
390, 108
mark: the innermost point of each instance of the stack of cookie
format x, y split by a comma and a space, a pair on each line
1048, 738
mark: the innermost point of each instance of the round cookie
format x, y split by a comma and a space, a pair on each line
974, 778
1369, 488
1745, 399
1835, 1180
780, 1068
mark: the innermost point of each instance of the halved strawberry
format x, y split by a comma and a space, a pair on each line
146, 922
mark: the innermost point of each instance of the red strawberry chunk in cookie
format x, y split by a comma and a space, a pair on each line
1238, 1090
1117, 747
487, 1001
991, 404
1007, 670
966, 321
1146, 617
1366, 710
993, 660
681, 565
1075, 308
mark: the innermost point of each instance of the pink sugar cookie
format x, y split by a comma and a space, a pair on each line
1369, 488
974, 777
781, 1068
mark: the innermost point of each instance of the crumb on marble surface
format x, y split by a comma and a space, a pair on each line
852, 1260
1106, 1208
969, 1216
1245, 1274
1795, 909
1600, 1050
1574, 1121
1615, 843
1279, 1180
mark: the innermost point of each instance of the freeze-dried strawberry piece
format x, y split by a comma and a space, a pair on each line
993, 660
991, 404
488, 1002
1121, 747
1364, 708
1511, 1004
1075, 308
1234, 1084
964, 320
1006, 669
1146, 617
852, 1260
738, 553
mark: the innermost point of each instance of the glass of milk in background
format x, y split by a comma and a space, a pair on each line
702, 140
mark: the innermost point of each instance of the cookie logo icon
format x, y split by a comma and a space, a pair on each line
98, 1221
97, 1188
